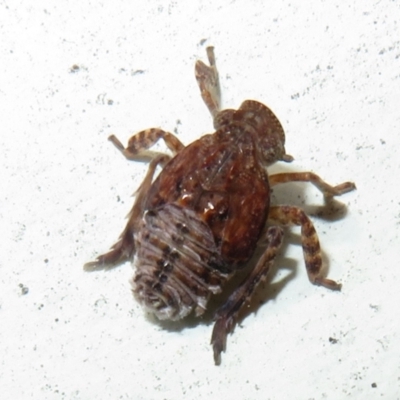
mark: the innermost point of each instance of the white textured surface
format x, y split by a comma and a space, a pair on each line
330, 71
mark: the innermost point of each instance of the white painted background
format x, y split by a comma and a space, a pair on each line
329, 70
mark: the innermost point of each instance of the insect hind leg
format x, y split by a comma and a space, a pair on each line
226, 316
288, 215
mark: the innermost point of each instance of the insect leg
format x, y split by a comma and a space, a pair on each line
323, 186
226, 315
208, 81
124, 249
287, 215
141, 141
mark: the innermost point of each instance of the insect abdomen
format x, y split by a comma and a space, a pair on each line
177, 263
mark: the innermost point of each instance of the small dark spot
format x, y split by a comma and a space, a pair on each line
138, 72
178, 184
160, 263
178, 122
75, 68
150, 213
110, 102
311, 249
166, 250
163, 278
24, 289
46, 260
164, 265
313, 265
214, 264
204, 274
333, 340
157, 287
374, 307
202, 41
196, 289
374, 385
223, 215
174, 255
183, 228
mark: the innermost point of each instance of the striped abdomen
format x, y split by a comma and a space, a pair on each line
178, 266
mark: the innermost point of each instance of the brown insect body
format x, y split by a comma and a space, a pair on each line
200, 220
221, 178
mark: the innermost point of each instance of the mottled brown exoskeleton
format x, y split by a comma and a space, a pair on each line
200, 220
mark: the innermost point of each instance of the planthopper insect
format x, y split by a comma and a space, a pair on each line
199, 221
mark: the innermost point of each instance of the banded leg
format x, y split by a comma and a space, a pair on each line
287, 215
141, 141
226, 316
124, 249
208, 81
136, 150
323, 186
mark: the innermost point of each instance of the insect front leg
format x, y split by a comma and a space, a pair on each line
287, 215
226, 316
208, 81
124, 249
137, 149
323, 186
138, 144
